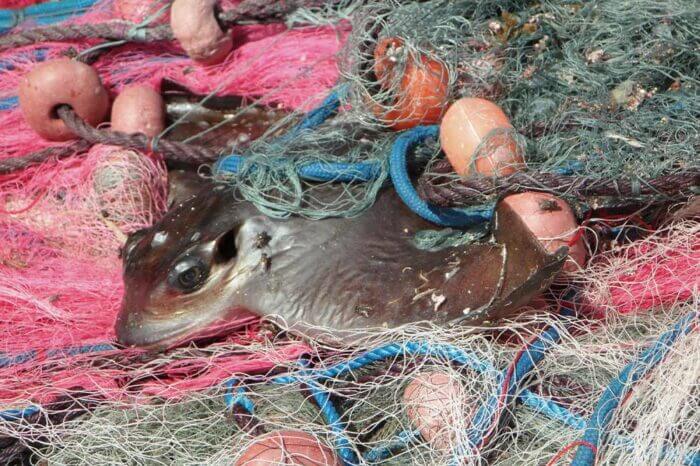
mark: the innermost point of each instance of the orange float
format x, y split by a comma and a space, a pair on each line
471, 122
421, 94
288, 447
433, 402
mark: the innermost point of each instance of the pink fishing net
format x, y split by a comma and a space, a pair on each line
62, 223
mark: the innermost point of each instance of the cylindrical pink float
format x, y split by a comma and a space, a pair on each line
139, 109
474, 125
195, 27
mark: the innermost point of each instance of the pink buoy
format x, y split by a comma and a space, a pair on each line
195, 27
61, 82
433, 402
287, 447
552, 221
474, 125
138, 109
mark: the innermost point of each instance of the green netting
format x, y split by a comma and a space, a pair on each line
608, 89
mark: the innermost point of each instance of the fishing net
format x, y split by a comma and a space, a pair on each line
606, 90
201, 428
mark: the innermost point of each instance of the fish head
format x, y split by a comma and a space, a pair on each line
180, 274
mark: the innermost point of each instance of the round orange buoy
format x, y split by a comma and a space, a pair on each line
421, 96
288, 447
387, 54
552, 221
467, 124
138, 109
434, 402
195, 26
61, 82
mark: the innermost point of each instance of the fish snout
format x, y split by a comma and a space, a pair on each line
134, 328
139, 328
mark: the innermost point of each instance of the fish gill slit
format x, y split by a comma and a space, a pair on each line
226, 249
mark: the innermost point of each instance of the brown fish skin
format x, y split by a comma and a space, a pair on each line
344, 274
230, 122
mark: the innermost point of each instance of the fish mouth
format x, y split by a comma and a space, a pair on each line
139, 329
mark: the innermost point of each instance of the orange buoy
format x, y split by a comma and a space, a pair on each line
421, 96
472, 124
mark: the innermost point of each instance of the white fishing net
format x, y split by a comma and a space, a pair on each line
657, 424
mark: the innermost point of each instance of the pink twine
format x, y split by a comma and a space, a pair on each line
42, 379
656, 272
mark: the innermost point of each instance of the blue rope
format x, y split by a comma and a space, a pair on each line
312, 376
484, 417
313, 171
387, 448
43, 13
530, 357
317, 116
63, 352
17, 414
609, 401
370, 170
332, 417
7, 361
402, 183
239, 399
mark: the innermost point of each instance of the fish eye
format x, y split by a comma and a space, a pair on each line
189, 274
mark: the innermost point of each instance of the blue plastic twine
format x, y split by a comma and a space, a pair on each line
371, 170
611, 398
312, 377
487, 413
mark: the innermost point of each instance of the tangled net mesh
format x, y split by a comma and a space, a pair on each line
603, 89
201, 428
606, 90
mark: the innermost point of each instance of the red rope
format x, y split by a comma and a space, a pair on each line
504, 390
568, 448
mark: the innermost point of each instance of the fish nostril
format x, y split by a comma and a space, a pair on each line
226, 247
128, 247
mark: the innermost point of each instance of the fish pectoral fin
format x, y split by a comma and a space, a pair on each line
528, 269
